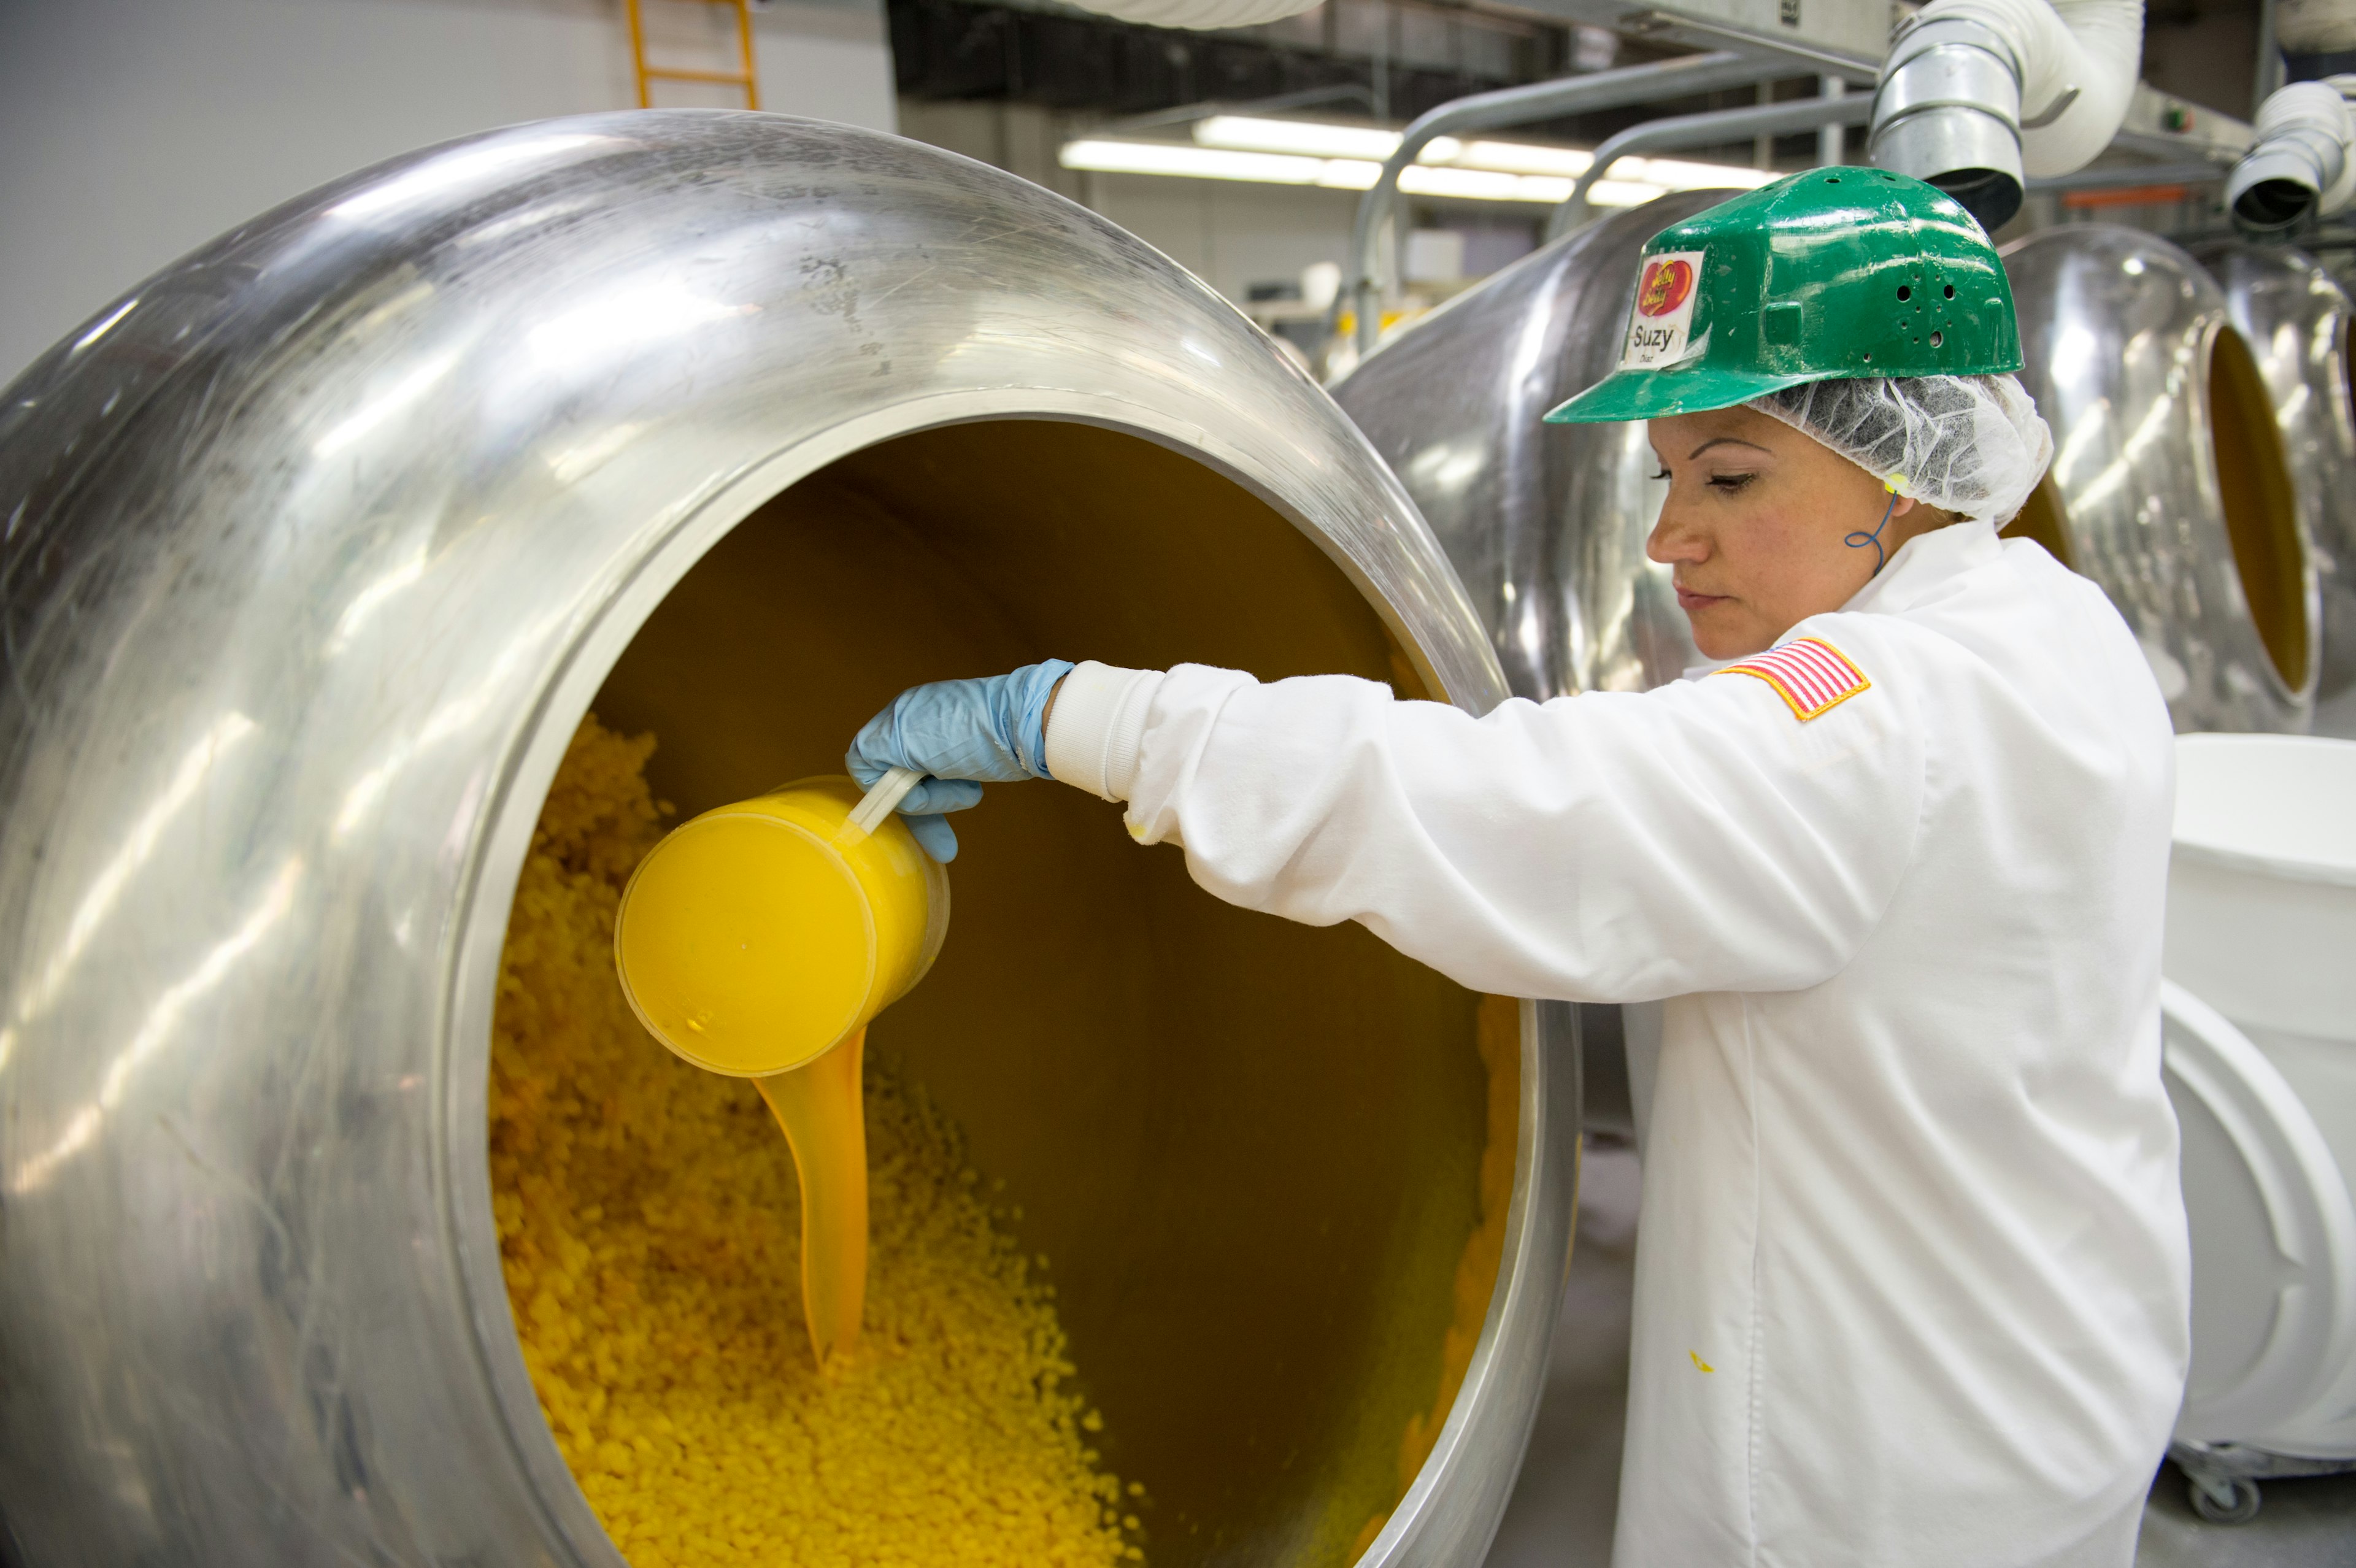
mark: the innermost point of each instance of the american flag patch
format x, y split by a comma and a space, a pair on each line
1809, 674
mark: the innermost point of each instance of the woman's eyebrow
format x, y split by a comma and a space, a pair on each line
1724, 440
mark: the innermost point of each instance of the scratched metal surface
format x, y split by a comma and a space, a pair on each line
316, 547
1546, 523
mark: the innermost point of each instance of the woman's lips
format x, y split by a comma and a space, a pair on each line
1688, 600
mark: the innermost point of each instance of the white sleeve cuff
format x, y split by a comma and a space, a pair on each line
1098, 727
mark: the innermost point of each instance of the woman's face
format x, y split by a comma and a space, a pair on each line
1754, 522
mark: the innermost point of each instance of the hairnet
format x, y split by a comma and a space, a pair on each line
1972, 445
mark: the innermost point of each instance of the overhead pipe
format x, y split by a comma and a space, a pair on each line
1732, 125
1831, 144
2270, 56
1519, 106
1804, 59
1978, 96
1704, 130
2303, 161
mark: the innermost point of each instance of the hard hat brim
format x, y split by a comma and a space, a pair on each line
1654, 394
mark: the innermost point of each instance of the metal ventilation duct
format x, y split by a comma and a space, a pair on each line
2303, 161
1978, 95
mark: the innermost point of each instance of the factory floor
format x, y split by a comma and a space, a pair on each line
1560, 1515
2336, 715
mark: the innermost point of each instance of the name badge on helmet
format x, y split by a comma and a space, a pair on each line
1663, 314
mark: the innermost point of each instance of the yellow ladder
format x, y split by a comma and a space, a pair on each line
649, 74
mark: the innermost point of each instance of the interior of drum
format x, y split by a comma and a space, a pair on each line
2261, 514
1253, 1150
2346, 350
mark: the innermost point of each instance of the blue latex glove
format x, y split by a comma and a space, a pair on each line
960, 734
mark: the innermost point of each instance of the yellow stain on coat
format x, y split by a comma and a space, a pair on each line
1700, 1365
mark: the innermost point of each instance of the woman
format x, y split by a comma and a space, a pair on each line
1911, 1276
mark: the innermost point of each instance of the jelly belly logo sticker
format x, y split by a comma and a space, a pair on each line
1664, 313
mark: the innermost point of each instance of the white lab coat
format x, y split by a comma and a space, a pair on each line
1913, 1280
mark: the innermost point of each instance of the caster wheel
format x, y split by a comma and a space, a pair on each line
2226, 1500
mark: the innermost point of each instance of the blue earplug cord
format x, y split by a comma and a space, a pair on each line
1860, 539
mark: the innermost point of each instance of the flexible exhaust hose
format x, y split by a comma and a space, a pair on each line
2302, 161
1977, 95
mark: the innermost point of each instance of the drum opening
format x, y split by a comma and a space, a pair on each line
1253, 1151
2348, 368
2261, 517
2043, 518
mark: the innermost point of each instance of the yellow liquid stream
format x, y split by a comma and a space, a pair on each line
819, 1109
757, 940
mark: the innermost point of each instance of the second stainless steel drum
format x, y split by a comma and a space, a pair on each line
318, 548
2169, 485
1546, 523
2296, 322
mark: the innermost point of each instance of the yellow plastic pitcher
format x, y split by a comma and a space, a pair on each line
758, 940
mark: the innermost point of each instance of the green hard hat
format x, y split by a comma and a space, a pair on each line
1837, 272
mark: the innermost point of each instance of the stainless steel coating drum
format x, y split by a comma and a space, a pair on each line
2168, 485
2296, 321
318, 546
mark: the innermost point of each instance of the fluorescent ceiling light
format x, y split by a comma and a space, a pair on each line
1624, 193
1316, 139
1199, 163
1526, 158
1321, 139
1350, 158
1677, 174
1350, 173
1457, 182
1311, 137
1482, 185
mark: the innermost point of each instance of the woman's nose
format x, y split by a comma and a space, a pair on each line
1672, 542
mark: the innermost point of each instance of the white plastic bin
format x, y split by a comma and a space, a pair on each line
2262, 927
2261, 888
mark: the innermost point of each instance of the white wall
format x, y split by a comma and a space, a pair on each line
1229, 235
132, 131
